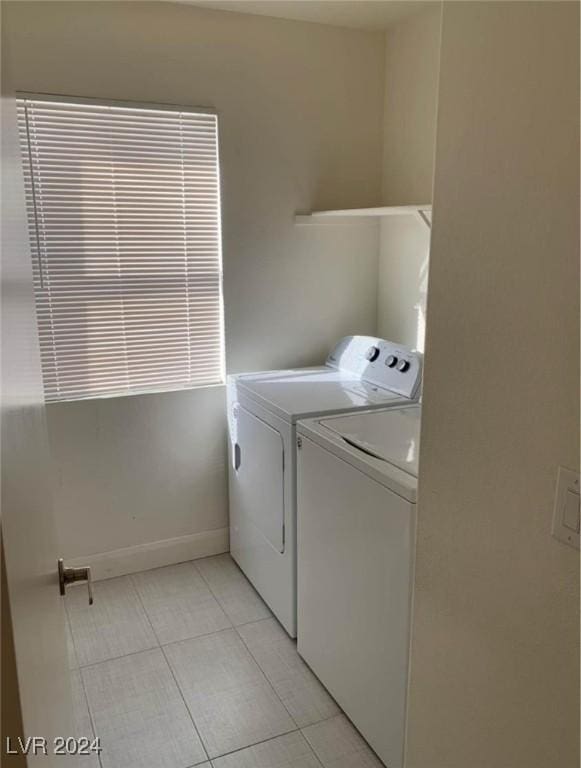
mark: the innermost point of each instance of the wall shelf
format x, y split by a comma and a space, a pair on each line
422, 212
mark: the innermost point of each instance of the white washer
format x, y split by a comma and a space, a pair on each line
362, 372
357, 480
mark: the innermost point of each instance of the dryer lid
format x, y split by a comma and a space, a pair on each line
298, 395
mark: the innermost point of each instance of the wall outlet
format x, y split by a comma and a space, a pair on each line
566, 510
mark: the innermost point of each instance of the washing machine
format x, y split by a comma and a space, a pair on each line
356, 504
361, 372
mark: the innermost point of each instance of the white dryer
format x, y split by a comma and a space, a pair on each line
362, 372
357, 480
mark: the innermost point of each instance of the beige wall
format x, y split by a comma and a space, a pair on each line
495, 655
402, 286
411, 95
412, 51
290, 97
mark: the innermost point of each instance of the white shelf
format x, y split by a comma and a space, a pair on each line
423, 213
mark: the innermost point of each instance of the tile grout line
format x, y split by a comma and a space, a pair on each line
172, 642
78, 669
118, 658
322, 720
273, 738
200, 765
205, 583
194, 637
215, 596
144, 609
216, 757
235, 628
157, 568
183, 698
299, 727
122, 655
152, 648
366, 745
260, 670
169, 666
91, 719
263, 673
258, 743
130, 578
257, 621
312, 748
70, 632
70, 627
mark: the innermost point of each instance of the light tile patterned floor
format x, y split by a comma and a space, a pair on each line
184, 666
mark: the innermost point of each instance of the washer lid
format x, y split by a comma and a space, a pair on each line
391, 436
300, 394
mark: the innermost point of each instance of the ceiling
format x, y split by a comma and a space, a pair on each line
360, 14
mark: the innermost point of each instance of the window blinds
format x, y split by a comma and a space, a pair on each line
124, 218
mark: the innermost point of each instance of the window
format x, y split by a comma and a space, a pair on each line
124, 219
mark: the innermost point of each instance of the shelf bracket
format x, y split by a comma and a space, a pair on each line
423, 216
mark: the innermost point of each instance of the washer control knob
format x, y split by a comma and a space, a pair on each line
391, 361
372, 354
403, 366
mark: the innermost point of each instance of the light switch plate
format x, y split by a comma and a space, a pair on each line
566, 510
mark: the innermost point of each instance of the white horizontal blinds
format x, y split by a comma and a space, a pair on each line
124, 218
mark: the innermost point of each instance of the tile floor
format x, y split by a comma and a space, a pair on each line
185, 666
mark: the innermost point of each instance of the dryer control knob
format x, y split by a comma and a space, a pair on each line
403, 366
372, 354
391, 361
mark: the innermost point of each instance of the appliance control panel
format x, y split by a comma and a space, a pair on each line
379, 362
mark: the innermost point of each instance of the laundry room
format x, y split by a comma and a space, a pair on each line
276, 319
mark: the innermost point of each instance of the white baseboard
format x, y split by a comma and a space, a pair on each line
142, 557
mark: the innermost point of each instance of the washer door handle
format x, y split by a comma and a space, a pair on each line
362, 448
